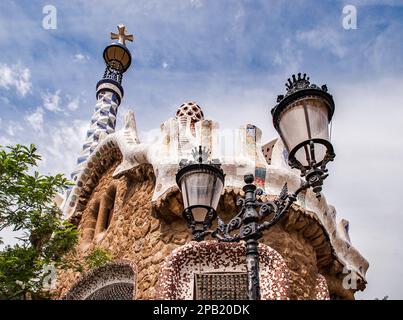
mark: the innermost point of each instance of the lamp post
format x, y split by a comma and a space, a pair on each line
301, 118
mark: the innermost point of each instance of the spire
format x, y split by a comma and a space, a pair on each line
117, 59
109, 93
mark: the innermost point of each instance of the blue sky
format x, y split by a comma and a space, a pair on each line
233, 58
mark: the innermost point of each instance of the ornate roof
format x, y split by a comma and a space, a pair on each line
239, 152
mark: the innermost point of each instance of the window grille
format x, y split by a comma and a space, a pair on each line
221, 286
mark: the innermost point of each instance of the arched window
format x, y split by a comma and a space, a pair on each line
100, 215
113, 281
105, 213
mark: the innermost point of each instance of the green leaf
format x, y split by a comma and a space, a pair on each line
26, 204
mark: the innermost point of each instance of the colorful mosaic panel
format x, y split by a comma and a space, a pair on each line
114, 281
103, 122
177, 274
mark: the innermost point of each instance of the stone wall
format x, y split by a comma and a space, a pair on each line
145, 233
133, 233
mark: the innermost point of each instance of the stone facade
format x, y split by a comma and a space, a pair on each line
148, 233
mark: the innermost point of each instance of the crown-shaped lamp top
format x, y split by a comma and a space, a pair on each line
298, 83
121, 36
298, 86
302, 82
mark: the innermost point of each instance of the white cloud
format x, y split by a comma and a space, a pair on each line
63, 146
13, 128
35, 119
196, 3
5, 142
393, 3
323, 38
51, 102
79, 57
288, 57
15, 76
10, 130
164, 65
4, 100
380, 58
59, 149
73, 104
240, 13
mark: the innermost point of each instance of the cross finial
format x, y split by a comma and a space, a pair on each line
121, 36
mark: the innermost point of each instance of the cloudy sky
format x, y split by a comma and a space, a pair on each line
233, 58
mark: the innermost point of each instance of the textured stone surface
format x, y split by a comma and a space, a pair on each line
133, 234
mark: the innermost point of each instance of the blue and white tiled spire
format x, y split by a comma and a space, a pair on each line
109, 95
103, 122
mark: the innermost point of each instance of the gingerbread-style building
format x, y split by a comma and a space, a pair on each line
126, 200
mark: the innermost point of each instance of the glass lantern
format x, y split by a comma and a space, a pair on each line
117, 57
302, 120
201, 184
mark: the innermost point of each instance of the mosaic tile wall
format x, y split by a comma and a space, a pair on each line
176, 280
103, 122
114, 281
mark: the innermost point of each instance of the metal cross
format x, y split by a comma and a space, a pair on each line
121, 36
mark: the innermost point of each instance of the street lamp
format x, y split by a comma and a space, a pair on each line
301, 118
201, 183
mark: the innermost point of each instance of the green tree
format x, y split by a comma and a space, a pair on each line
26, 206
97, 258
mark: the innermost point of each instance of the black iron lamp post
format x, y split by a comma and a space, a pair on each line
302, 119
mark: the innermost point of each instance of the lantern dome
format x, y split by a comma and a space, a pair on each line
117, 57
